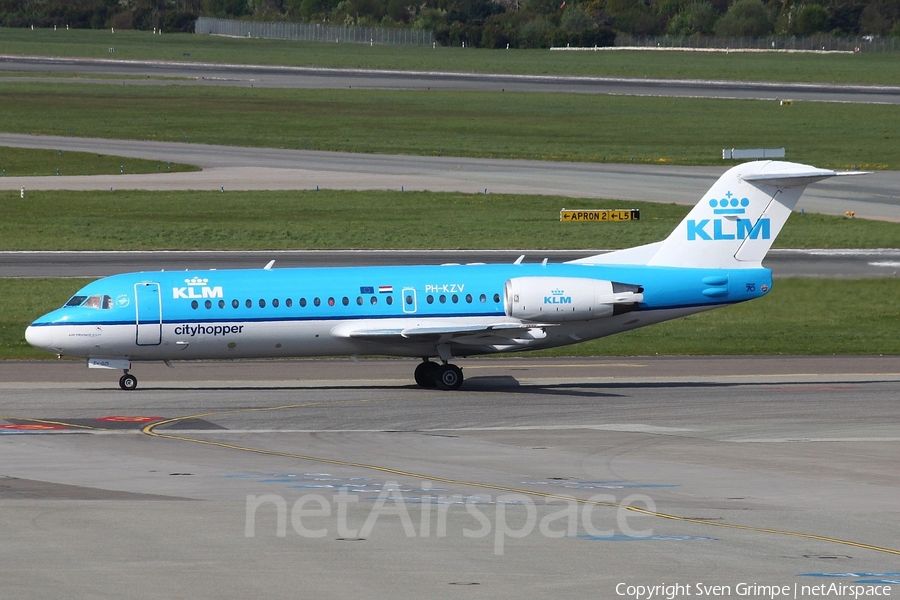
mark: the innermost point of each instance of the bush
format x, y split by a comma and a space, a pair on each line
598, 36
178, 22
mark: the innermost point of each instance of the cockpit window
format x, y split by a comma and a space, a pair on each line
76, 300
97, 301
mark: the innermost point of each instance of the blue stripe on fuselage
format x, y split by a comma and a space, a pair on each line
664, 288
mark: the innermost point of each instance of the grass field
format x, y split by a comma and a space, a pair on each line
144, 220
873, 68
536, 126
21, 162
833, 322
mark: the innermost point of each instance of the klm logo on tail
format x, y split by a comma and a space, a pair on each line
728, 229
723, 229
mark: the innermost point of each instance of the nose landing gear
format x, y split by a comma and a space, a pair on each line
127, 381
443, 377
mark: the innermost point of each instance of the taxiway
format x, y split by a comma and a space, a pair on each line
562, 477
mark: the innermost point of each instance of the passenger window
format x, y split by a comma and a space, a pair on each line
249, 303
496, 297
235, 303
331, 302
374, 300
345, 301
409, 300
275, 303
194, 304
469, 298
454, 298
443, 299
288, 302
317, 302
429, 299
359, 300
390, 300
208, 304
221, 304
483, 298
302, 302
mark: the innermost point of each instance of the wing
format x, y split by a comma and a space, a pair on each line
450, 333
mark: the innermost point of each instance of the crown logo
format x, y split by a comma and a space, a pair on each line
557, 292
729, 205
196, 281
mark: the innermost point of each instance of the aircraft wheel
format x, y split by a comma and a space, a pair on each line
450, 377
426, 374
128, 382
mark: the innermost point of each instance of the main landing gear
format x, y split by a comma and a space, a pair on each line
127, 381
443, 377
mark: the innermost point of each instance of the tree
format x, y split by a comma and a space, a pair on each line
499, 30
873, 21
698, 17
745, 18
575, 20
811, 19
844, 15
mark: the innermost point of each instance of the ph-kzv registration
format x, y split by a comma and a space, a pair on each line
750, 590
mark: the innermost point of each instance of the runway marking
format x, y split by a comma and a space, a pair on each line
624, 427
802, 440
559, 366
150, 430
61, 424
33, 427
127, 419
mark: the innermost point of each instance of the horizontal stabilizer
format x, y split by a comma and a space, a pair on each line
789, 178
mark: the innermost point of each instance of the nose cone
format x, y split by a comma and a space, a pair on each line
40, 337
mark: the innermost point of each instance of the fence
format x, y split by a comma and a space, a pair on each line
315, 32
815, 43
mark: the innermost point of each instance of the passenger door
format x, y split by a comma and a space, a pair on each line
148, 309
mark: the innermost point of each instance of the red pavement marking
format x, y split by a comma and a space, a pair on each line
33, 427
127, 419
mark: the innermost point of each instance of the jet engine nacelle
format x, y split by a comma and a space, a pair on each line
558, 299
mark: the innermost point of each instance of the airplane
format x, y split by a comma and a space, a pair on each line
713, 258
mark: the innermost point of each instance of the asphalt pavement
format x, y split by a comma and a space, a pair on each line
106, 72
873, 196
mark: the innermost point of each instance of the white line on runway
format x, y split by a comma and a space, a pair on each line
805, 440
700, 379
626, 428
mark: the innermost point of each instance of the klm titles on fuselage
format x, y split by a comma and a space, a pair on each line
195, 284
